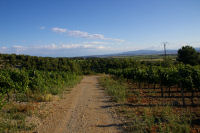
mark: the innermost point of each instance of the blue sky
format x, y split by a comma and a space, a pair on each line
88, 27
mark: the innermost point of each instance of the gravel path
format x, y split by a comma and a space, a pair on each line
84, 110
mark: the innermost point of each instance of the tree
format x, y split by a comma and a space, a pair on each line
188, 55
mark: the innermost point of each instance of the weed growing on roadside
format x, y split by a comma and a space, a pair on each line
12, 118
141, 119
115, 89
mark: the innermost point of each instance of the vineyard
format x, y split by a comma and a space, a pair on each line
20, 88
150, 93
156, 98
183, 78
18, 83
26, 81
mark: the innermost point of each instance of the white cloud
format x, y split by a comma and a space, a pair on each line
79, 46
42, 27
82, 34
70, 46
101, 47
64, 46
85, 48
77, 33
116, 40
19, 48
50, 46
3, 48
97, 43
59, 30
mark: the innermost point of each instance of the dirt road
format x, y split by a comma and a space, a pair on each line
84, 110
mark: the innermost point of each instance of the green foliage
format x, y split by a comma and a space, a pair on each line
148, 119
20, 80
24, 83
25, 78
39, 63
188, 55
21, 76
25, 86
114, 88
184, 76
6, 83
196, 78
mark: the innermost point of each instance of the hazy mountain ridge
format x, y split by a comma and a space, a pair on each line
141, 52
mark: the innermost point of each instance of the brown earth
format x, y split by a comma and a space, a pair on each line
84, 110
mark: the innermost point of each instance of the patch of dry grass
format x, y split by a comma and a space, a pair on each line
142, 113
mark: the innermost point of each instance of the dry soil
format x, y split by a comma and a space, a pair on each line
84, 110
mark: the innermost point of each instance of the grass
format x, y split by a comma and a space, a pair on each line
13, 118
115, 89
157, 119
139, 115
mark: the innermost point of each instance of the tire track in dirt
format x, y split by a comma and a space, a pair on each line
84, 110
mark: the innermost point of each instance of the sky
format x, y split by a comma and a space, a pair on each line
68, 28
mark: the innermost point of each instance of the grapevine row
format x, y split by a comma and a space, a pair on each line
28, 82
185, 77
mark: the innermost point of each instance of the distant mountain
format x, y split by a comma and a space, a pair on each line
140, 52
198, 49
137, 52
148, 52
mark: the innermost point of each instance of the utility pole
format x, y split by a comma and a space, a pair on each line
165, 52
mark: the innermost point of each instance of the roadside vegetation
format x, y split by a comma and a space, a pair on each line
159, 98
116, 89
156, 95
142, 113
22, 88
26, 82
